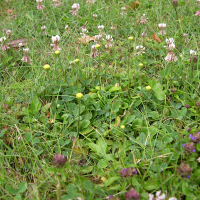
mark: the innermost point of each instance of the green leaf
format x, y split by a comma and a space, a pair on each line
46, 107
136, 123
130, 119
116, 105
87, 170
114, 89
35, 105
102, 164
22, 186
28, 136
158, 90
88, 185
11, 190
111, 180
151, 185
84, 124
18, 197
36, 140
99, 148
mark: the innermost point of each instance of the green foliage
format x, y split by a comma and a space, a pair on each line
118, 123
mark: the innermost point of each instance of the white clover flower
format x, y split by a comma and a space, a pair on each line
159, 196
101, 27
170, 40
94, 15
2, 39
109, 37
140, 47
39, 1
55, 38
20, 44
171, 57
26, 50
8, 32
162, 25
43, 27
192, 52
84, 30
172, 198
123, 8
75, 6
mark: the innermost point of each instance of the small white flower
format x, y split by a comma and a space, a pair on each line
109, 37
26, 50
185, 34
123, 8
162, 25
94, 15
170, 40
39, 1
198, 159
101, 27
192, 52
2, 39
159, 196
20, 44
75, 6
55, 38
140, 47
151, 197
172, 198
8, 32
43, 27
84, 30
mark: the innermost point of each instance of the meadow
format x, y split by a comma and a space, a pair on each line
100, 99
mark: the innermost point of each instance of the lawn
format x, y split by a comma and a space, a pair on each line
100, 100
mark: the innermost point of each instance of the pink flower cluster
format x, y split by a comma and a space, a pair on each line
170, 46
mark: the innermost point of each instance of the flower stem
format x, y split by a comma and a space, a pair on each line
50, 84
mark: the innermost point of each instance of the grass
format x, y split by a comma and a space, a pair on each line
121, 139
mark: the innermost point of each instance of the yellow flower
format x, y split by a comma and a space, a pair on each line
57, 52
97, 46
122, 127
148, 88
46, 67
141, 64
77, 60
79, 95
130, 38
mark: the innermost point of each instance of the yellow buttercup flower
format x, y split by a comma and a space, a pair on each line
77, 60
141, 64
57, 52
97, 46
122, 127
130, 38
148, 88
79, 95
46, 67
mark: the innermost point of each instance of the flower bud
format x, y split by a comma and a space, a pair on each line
141, 64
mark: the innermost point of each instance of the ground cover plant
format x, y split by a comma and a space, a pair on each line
100, 99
